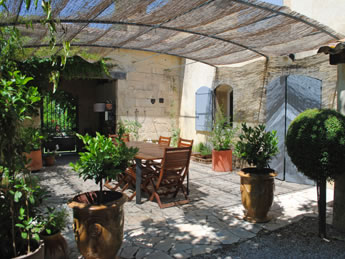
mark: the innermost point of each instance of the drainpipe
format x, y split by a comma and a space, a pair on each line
339, 183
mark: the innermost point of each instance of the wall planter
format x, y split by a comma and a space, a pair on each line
36, 160
98, 229
222, 160
204, 159
55, 246
257, 192
108, 106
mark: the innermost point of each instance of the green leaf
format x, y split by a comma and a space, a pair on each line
17, 196
24, 235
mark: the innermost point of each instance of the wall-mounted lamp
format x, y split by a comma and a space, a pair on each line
99, 107
153, 100
161, 100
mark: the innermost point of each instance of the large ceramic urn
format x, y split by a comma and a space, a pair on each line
257, 192
98, 229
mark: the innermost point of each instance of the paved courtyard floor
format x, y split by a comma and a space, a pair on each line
212, 218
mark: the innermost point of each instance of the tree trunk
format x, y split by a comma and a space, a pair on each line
321, 202
339, 204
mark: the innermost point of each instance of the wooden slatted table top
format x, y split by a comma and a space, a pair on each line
147, 151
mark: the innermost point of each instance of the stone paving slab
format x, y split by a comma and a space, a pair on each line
212, 218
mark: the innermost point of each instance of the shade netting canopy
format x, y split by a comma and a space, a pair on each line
215, 32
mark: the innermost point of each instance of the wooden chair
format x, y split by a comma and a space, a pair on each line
185, 142
165, 141
127, 180
170, 178
125, 137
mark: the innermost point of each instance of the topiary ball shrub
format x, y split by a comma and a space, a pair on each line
315, 142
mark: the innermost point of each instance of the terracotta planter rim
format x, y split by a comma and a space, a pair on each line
242, 173
223, 150
34, 253
73, 203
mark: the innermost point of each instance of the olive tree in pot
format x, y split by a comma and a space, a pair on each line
315, 142
222, 137
257, 147
98, 215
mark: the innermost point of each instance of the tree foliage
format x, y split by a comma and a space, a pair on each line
315, 142
256, 145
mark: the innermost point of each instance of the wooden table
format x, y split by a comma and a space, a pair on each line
147, 151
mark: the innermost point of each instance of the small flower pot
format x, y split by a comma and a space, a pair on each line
49, 160
55, 246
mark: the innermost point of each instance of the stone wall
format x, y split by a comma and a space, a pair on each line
248, 83
149, 76
196, 75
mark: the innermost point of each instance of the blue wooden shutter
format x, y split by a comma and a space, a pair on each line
203, 109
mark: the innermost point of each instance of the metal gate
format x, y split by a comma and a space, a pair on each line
59, 118
287, 97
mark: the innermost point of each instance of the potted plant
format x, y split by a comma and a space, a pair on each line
257, 147
54, 221
34, 152
203, 153
18, 192
98, 215
49, 158
315, 142
222, 139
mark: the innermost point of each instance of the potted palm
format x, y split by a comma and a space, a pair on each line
222, 139
257, 147
55, 245
98, 215
321, 133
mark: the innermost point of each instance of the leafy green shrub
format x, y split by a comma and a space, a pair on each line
257, 146
222, 135
204, 149
315, 142
54, 221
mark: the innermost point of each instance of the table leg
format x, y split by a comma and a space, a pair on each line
188, 183
138, 170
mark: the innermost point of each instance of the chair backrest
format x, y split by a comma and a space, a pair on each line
125, 137
185, 142
165, 141
176, 158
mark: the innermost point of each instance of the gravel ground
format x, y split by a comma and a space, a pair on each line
297, 240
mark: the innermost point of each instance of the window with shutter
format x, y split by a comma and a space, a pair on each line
204, 109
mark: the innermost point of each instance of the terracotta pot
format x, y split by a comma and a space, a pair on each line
222, 160
257, 192
49, 160
55, 246
98, 229
37, 254
108, 106
36, 160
